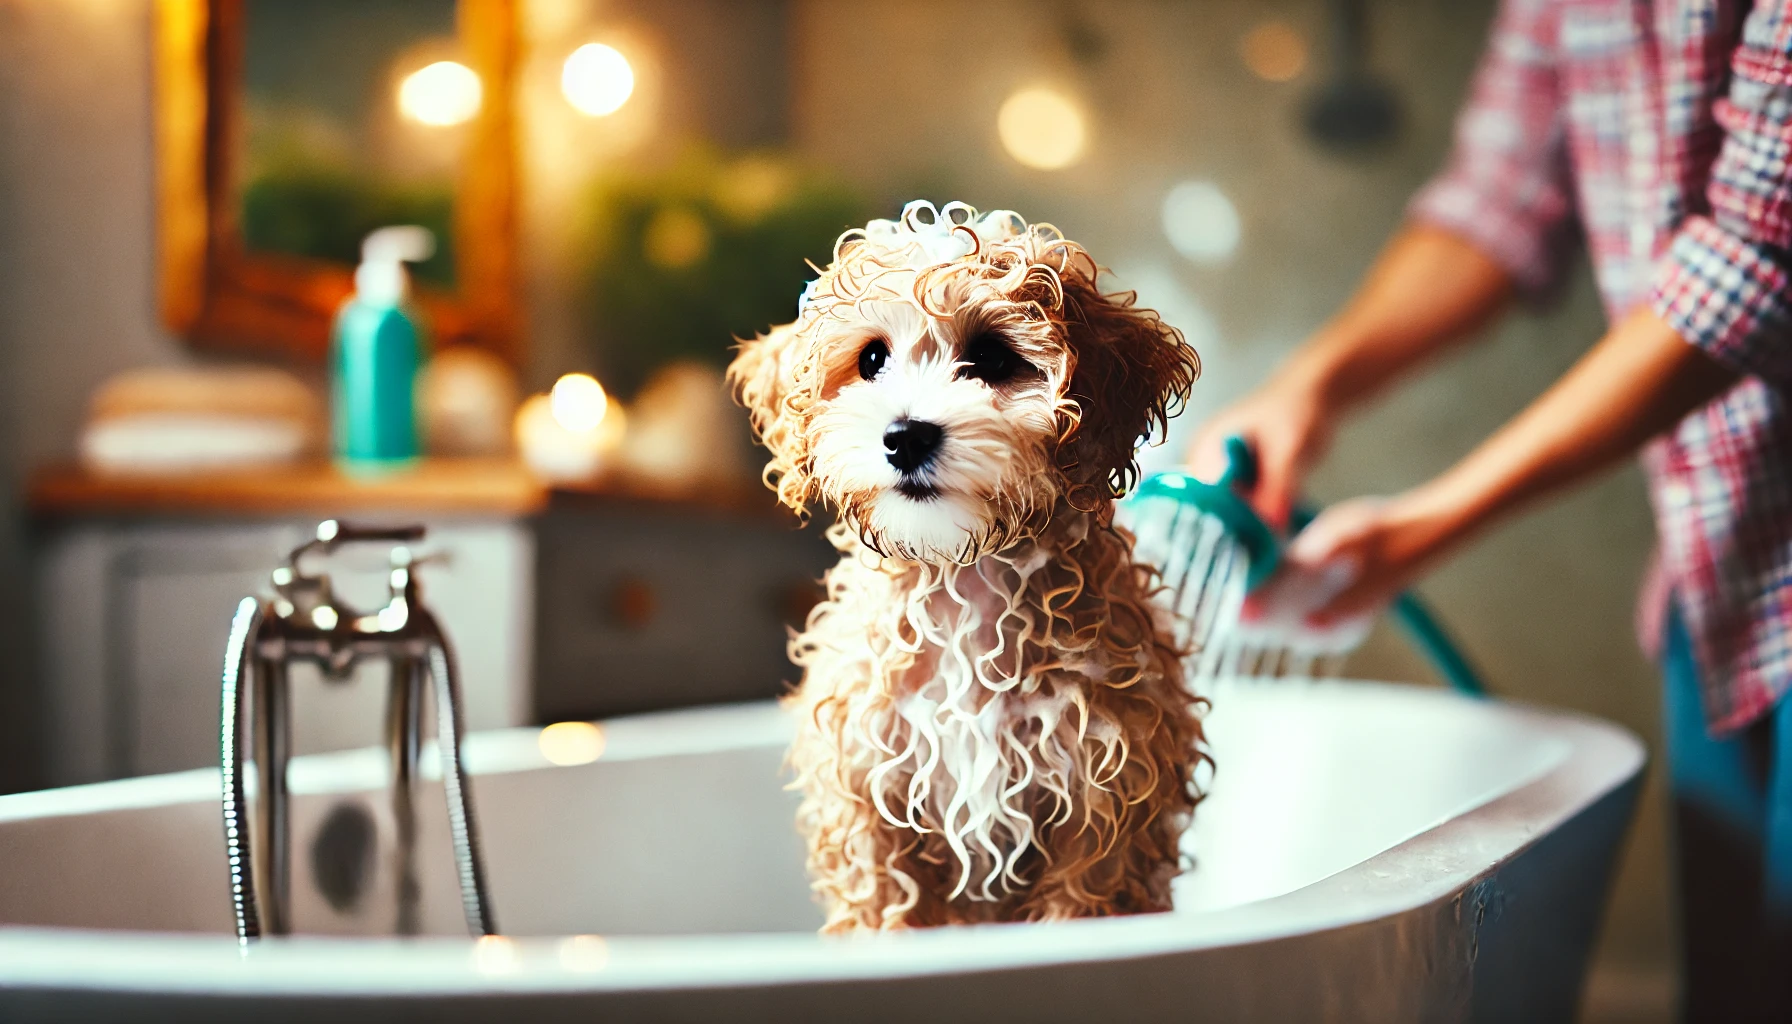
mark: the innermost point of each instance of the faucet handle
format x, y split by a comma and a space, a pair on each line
297, 587
333, 533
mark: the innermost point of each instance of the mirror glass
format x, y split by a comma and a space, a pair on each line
356, 115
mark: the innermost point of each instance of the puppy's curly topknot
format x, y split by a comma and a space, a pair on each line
996, 729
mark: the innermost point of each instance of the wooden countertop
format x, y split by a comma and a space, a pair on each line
489, 487
481, 486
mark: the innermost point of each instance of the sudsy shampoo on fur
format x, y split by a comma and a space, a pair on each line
376, 348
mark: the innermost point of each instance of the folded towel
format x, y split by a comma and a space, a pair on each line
181, 442
172, 420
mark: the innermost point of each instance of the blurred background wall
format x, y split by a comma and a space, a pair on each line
77, 275
900, 98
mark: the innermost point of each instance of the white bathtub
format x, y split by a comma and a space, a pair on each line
1371, 852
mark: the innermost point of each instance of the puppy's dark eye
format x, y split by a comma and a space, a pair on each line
873, 357
989, 359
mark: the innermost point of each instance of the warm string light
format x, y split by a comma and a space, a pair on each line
597, 79
441, 94
1042, 128
1274, 51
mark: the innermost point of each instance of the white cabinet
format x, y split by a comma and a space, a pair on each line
134, 614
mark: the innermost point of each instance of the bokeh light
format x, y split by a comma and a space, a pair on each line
597, 79
578, 402
675, 238
1042, 128
1274, 51
753, 187
571, 743
441, 94
1201, 222
584, 953
494, 954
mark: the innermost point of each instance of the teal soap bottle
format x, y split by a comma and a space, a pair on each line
377, 346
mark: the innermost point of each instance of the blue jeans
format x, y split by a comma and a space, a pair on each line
1732, 823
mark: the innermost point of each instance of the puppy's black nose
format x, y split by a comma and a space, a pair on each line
910, 444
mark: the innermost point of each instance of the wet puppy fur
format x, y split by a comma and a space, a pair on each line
992, 719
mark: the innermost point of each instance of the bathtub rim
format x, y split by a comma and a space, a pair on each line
1433, 866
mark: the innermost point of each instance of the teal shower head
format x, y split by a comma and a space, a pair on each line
1224, 501
1212, 548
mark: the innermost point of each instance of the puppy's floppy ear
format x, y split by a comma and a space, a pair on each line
761, 378
1131, 373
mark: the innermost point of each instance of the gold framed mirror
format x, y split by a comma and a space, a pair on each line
278, 147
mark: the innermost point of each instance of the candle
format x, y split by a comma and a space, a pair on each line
567, 435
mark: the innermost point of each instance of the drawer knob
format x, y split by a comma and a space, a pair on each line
633, 603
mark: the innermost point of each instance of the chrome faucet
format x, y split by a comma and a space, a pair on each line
305, 621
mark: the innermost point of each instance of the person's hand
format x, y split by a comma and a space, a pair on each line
1370, 548
1288, 425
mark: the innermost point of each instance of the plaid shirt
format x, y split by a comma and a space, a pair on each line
1663, 130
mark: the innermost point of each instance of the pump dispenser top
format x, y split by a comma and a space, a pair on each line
381, 277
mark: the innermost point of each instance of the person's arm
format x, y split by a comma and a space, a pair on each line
1721, 308
1641, 379
1495, 221
1429, 287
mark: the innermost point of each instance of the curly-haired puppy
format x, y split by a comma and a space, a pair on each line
993, 724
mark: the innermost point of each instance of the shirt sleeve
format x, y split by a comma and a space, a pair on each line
1507, 188
1723, 282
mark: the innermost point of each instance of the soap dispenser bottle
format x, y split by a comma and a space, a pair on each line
377, 347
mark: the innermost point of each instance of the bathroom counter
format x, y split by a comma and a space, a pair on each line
499, 487
496, 487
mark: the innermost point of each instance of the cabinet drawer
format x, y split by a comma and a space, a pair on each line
641, 608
